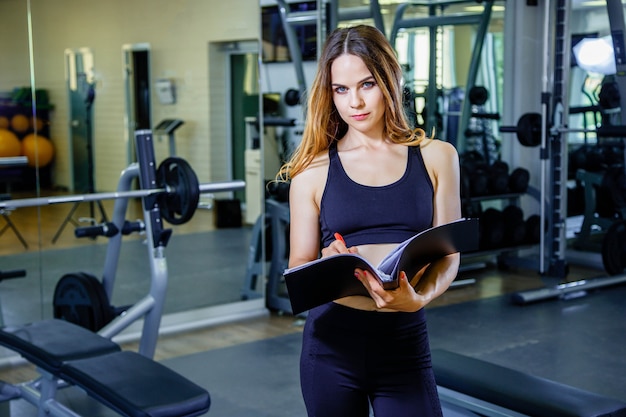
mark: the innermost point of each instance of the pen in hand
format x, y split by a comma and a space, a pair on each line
340, 238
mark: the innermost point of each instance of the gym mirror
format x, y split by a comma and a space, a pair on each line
116, 67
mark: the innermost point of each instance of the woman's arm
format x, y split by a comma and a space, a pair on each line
304, 235
442, 163
447, 207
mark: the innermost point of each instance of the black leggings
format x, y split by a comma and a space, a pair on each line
352, 358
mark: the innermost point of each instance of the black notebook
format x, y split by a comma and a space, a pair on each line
327, 279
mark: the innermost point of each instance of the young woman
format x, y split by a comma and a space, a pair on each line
363, 172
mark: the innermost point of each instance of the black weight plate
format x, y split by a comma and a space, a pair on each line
178, 205
529, 129
80, 299
614, 249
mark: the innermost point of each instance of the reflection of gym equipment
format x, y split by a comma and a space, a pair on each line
89, 99
329, 13
487, 389
478, 135
10, 162
167, 127
404, 19
170, 194
123, 381
552, 260
176, 195
276, 297
340, 14
273, 229
18, 273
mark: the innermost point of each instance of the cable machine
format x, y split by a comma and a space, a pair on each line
434, 23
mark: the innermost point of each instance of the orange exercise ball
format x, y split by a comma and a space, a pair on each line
9, 144
38, 149
20, 123
4, 122
36, 123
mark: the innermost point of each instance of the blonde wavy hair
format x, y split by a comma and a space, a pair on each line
323, 124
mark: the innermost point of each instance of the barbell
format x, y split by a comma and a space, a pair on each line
177, 193
528, 130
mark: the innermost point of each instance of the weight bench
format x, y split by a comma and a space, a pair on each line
492, 390
127, 382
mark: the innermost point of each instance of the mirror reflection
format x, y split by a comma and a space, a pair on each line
185, 72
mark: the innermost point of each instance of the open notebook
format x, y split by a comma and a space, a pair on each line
326, 279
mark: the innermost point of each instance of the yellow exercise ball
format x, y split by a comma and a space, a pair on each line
9, 144
20, 123
4, 122
38, 149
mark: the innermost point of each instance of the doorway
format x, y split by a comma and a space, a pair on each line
79, 64
137, 93
244, 93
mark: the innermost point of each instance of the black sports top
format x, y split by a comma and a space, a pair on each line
367, 215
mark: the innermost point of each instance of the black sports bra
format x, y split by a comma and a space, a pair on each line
386, 214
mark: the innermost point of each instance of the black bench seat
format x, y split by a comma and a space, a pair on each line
522, 393
136, 386
49, 343
127, 382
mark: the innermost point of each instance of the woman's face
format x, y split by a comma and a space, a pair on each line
356, 95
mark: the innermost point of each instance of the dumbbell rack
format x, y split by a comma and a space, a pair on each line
507, 256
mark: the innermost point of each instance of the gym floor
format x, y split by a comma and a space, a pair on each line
490, 282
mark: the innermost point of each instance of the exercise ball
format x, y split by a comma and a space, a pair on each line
20, 123
38, 149
36, 123
9, 144
4, 122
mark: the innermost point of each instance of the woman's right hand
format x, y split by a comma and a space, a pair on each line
336, 247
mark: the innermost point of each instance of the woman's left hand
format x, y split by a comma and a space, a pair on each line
404, 298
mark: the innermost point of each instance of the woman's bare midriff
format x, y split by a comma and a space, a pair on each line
374, 254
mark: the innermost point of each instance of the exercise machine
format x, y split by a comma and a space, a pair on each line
167, 128
553, 247
131, 383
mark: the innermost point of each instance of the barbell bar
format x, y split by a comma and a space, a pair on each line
177, 192
79, 198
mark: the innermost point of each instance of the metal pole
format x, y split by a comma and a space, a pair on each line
45, 201
544, 132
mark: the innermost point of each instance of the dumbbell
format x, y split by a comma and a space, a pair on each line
491, 231
533, 229
519, 180
514, 225
528, 129
474, 171
498, 178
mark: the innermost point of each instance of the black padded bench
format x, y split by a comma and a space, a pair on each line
127, 382
472, 382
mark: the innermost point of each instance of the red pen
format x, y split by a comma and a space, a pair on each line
340, 238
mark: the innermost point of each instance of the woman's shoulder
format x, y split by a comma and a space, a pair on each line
315, 170
438, 148
437, 145
438, 154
